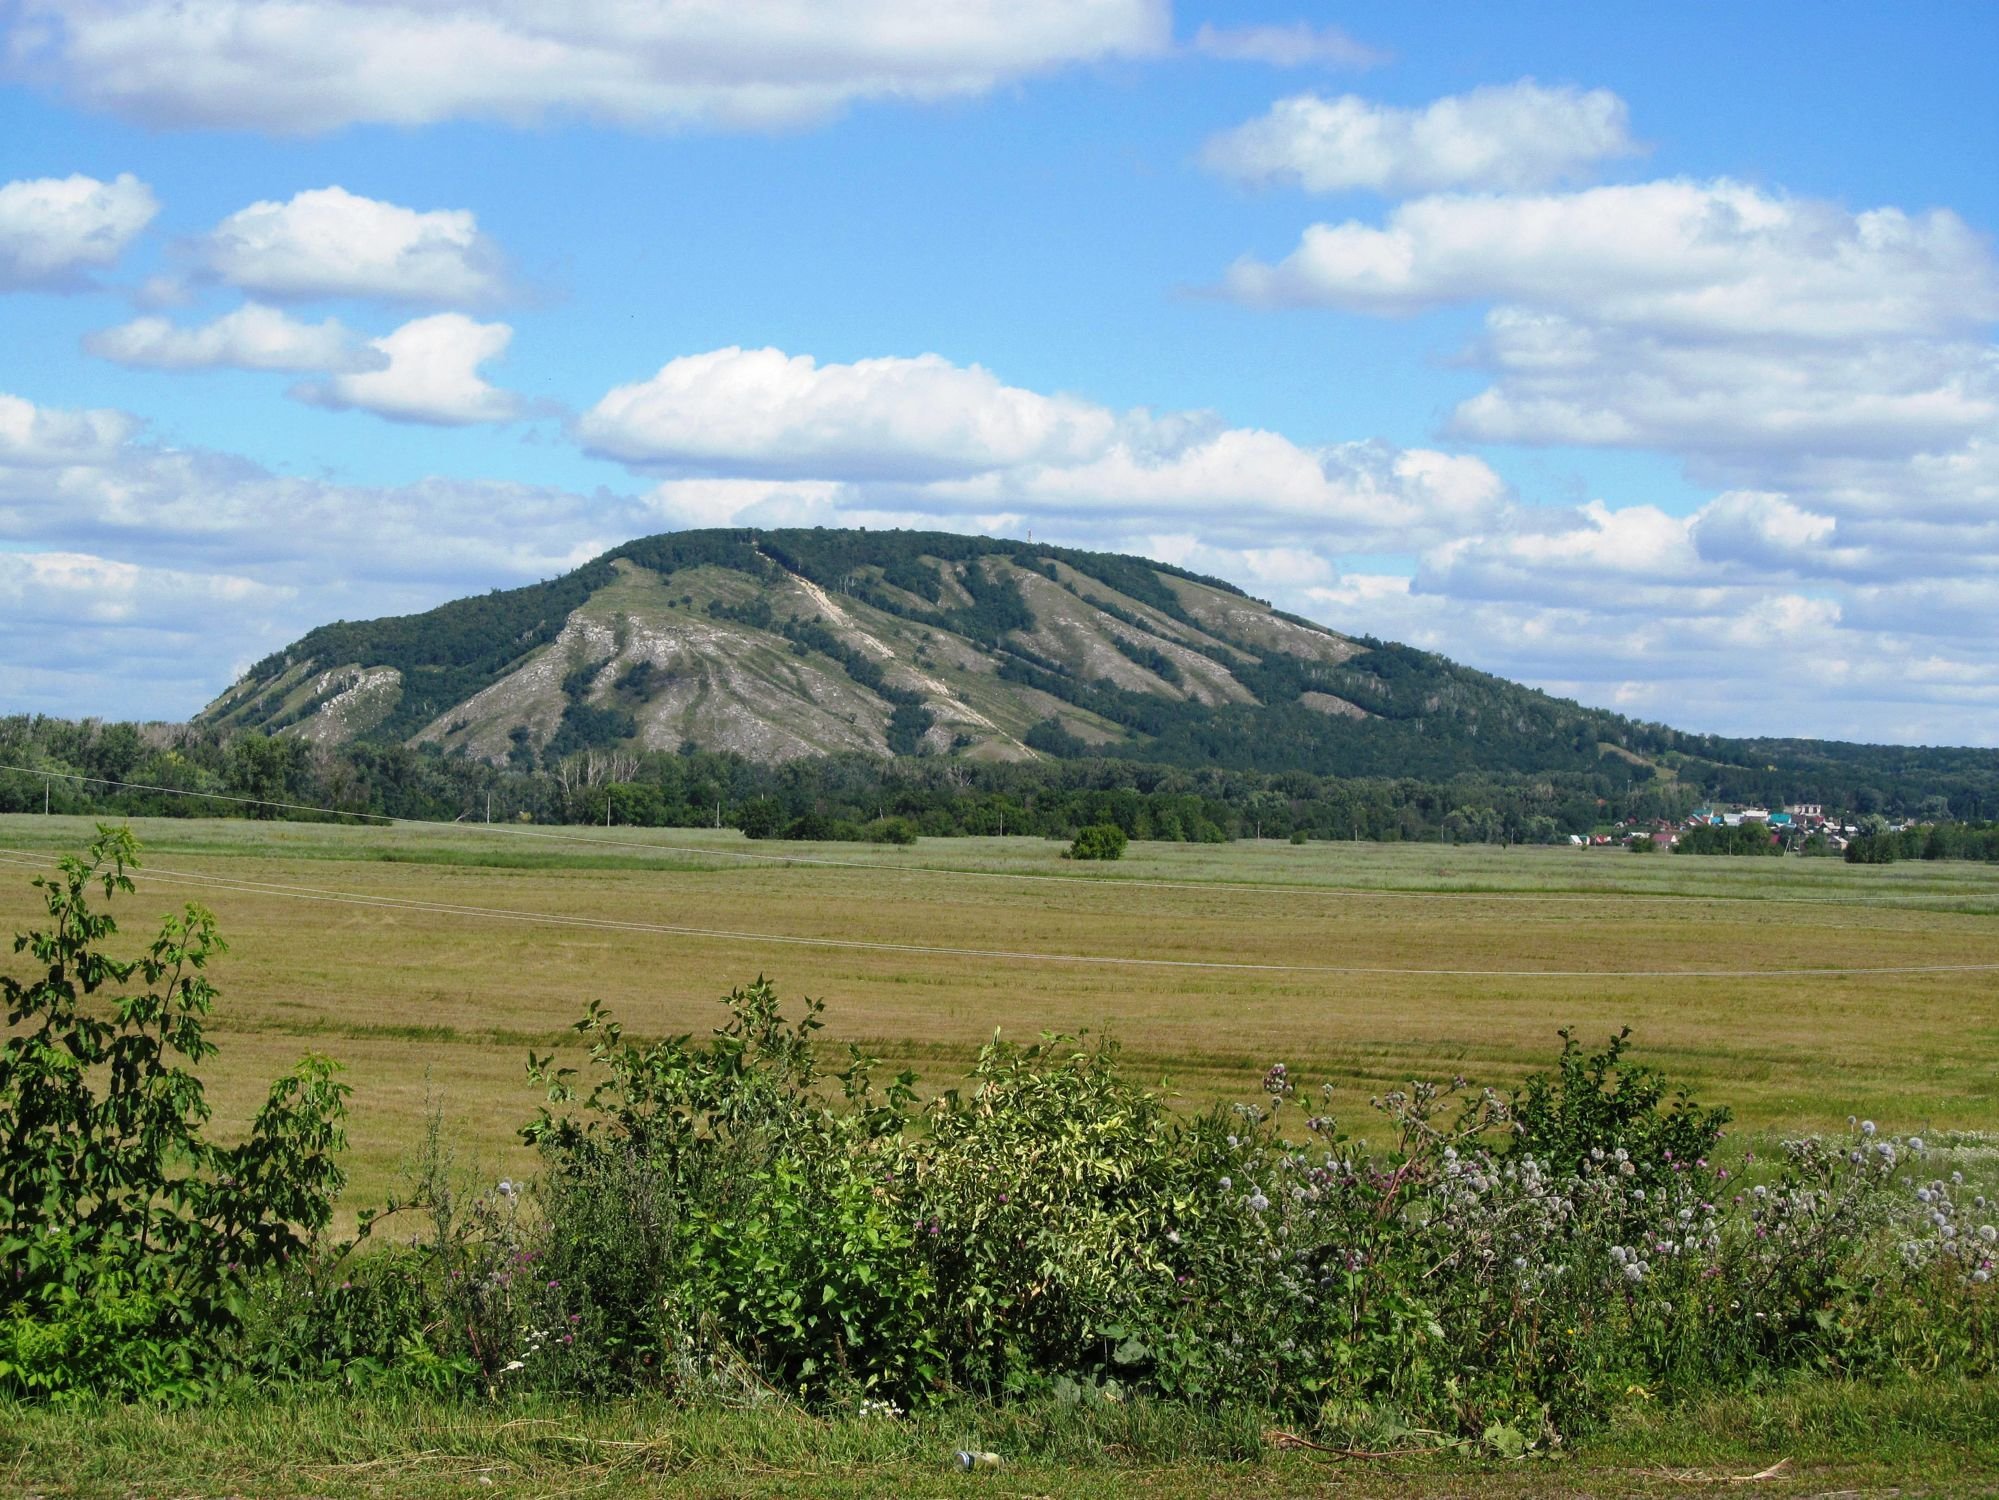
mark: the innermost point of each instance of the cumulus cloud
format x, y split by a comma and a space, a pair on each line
92, 634
926, 438
1727, 400
1519, 135
1739, 661
1717, 258
295, 66
765, 411
425, 371
328, 242
1759, 612
1238, 484
1680, 616
1831, 372
1298, 45
253, 337
67, 588
40, 437
54, 230
139, 576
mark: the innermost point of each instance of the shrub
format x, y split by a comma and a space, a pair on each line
709, 1199
722, 1218
1043, 1197
1597, 1103
131, 1237
1098, 841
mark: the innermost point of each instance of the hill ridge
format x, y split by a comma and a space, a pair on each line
788, 643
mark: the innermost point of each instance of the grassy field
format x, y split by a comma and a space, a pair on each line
1810, 1438
1359, 965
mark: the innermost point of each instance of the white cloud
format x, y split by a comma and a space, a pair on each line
426, 371
137, 577
1832, 372
1566, 381
54, 229
764, 411
1239, 484
312, 65
1519, 135
253, 337
122, 497
40, 437
1738, 618
933, 442
328, 242
1688, 258
1749, 662
65, 588
1298, 45
742, 502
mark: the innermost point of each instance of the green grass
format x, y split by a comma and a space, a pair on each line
1936, 1438
442, 1006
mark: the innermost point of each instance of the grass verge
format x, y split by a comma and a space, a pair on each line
1806, 1438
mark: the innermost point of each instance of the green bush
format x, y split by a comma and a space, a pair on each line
709, 1198
1098, 841
132, 1239
1044, 1195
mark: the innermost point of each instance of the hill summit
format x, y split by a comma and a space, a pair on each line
793, 643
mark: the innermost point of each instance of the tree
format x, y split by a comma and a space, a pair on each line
761, 819
1098, 841
268, 768
129, 1235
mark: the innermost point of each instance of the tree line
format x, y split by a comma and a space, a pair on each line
172, 770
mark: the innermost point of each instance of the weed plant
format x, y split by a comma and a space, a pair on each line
722, 1220
735, 1221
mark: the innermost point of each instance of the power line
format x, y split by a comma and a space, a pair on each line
239, 885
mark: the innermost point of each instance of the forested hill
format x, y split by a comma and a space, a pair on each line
780, 645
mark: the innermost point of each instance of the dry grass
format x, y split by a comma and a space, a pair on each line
449, 1003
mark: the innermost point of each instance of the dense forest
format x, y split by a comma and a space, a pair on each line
96, 767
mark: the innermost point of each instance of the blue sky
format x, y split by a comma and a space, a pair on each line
1648, 358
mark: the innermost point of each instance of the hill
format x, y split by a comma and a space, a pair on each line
785, 644
792, 644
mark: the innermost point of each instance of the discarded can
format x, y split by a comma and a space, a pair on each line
968, 1459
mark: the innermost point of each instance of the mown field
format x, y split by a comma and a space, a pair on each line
429, 960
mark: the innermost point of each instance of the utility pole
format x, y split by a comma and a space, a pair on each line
489, 804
